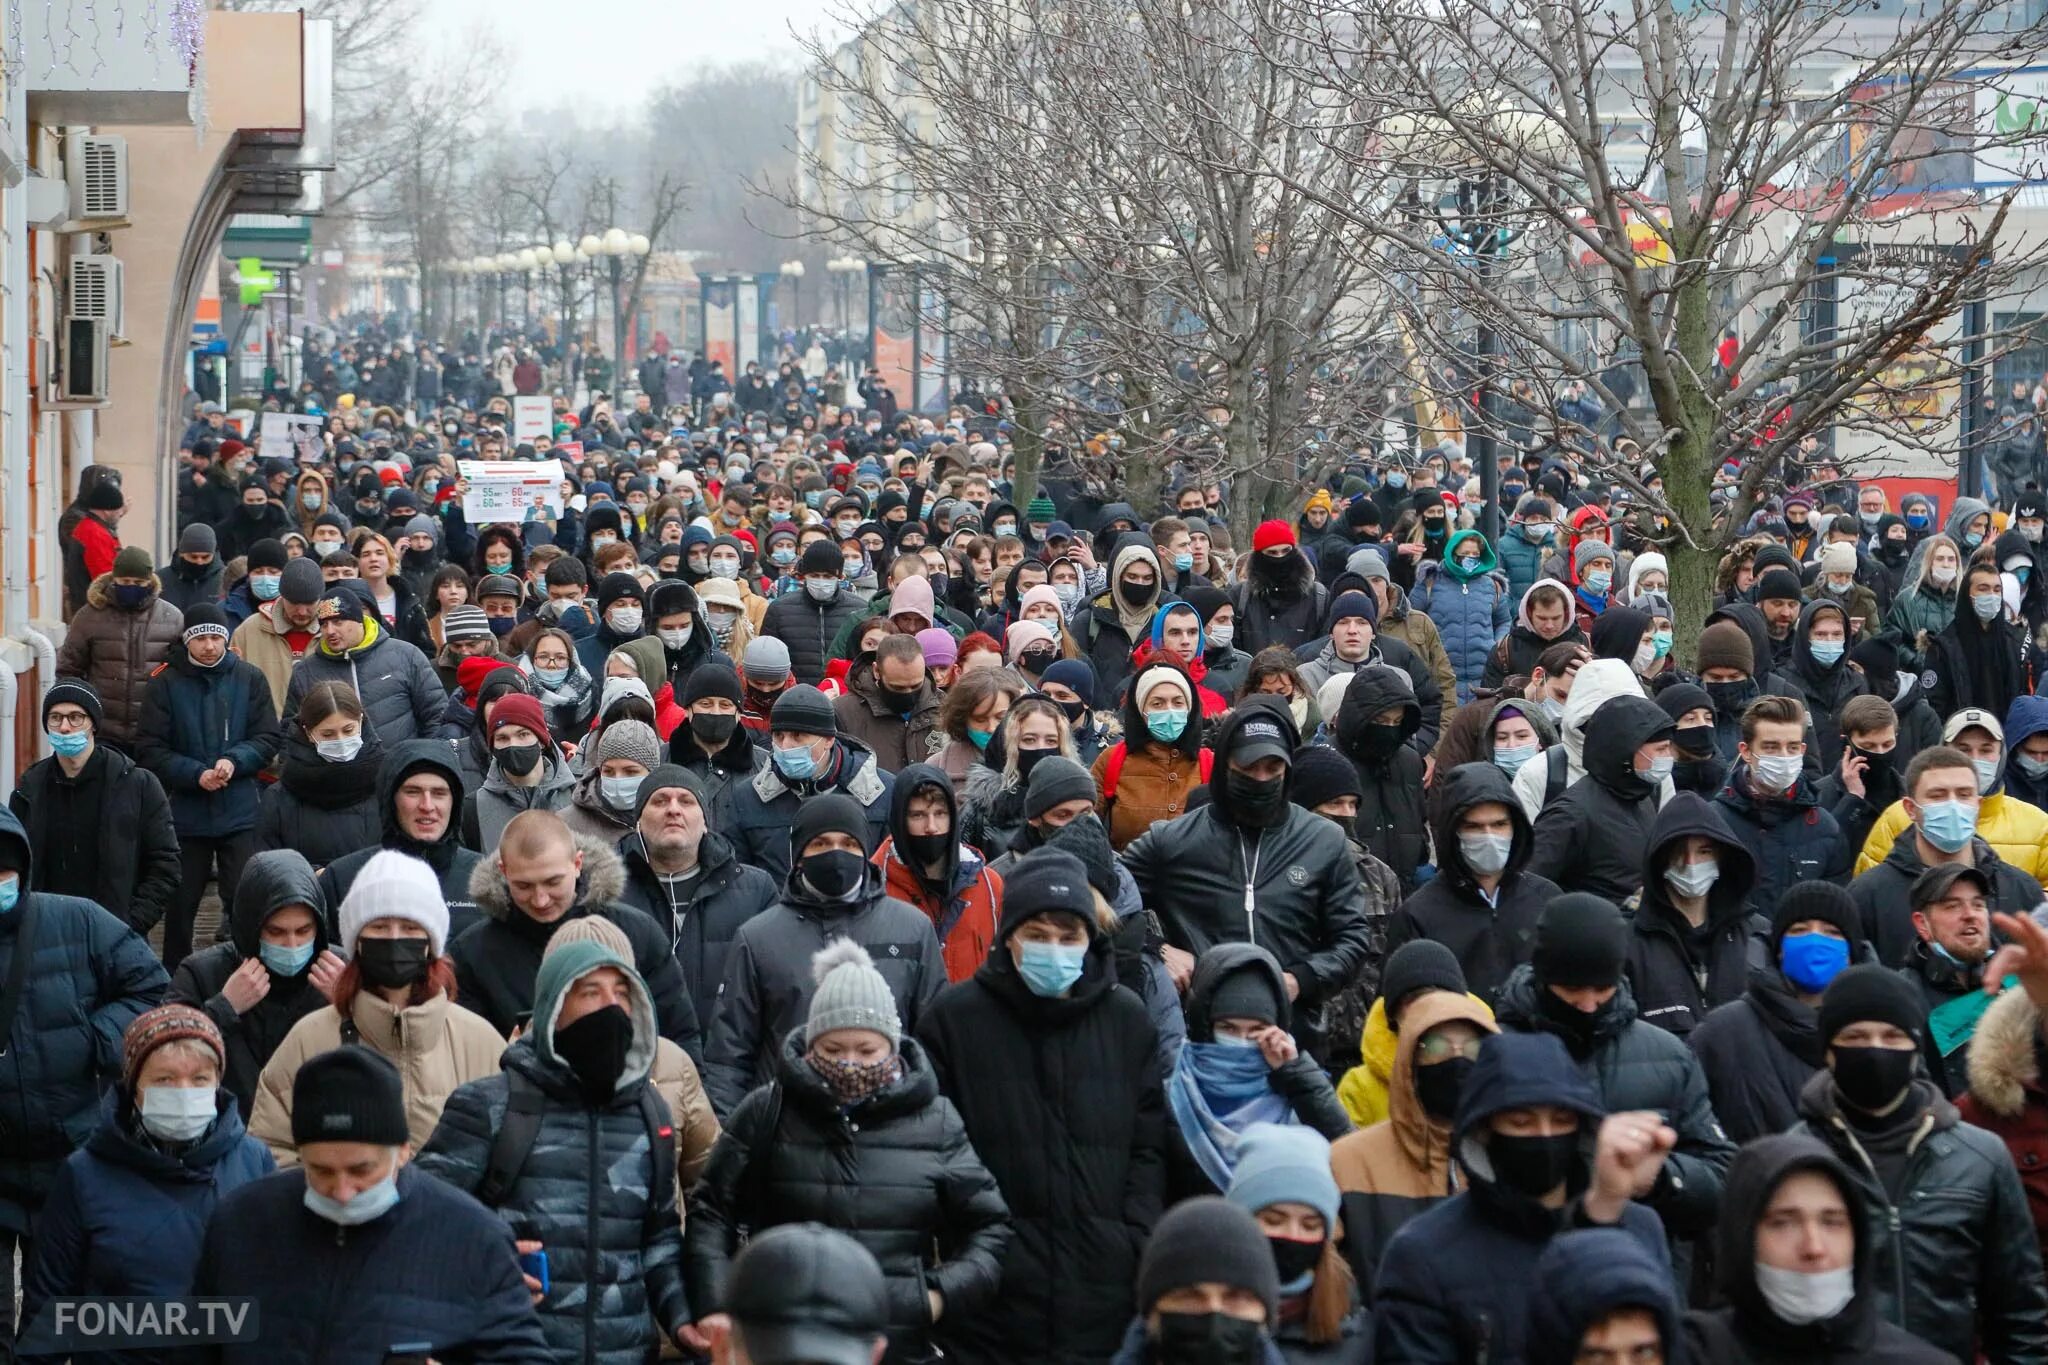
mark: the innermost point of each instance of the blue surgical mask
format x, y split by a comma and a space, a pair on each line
1826, 653
1598, 581
1916, 520
285, 961
1973, 538
69, 743
796, 764
177, 1113
782, 554
1948, 825
1813, 960
1510, 758
1050, 969
620, 793
1166, 726
10, 894
551, 678
263, 587
1184, 562
367, 1206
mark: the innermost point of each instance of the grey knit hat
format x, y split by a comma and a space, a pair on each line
420, 525
804, 710
301, 584
1588, 551
465, 623
766, 660
633, 739
851, 994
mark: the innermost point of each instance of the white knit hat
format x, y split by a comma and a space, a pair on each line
851, 994
393, 886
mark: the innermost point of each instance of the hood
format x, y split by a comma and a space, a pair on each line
603, 879
1964, 511
16, 839
1375, 688
1597, 681
563, 967
1487, 562
2027, 717
914, 780
1755, 1175
1802, 657
417, 755
1546, 732
650, 661
1425, 1142
1581, 1277
1683, 816
2005, 1056
1226, 735
1219, 962
271, 881
1518, 1071
1458, 791
1522, 611
1751, 618
1618, 728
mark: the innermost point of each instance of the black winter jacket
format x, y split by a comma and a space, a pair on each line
1592, 837
1491, 939
270, 882
1938, 979
137, 872
724, 895
193, 717
1824, 690
808, 628
1393, 817
1758, 1052
453, 864
1679, 973
324, 810
1062, 1101
1956, 1261
1882, 894
896, 1173
1791, 838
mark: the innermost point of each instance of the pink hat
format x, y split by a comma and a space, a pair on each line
913, 596
941, 650
1044, 592
1023, 635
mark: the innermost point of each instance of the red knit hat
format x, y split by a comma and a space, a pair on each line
1271, 534
151, 1029
470, 674
516, 708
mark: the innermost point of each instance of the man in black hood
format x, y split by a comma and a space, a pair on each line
1252, 867
1378, 715
1591, 838
1693, 940
675, 617
420, 792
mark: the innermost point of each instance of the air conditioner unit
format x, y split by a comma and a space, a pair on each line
96, 170
82, 364
94, 292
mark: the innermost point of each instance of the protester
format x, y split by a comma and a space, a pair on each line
1773, 806
118, 638
1591, 838
420, 792
528, 772
809, 758
325, 803
1207, 1289
924, 863
399, 691
802, 1292
1146, 776
711, 741
1691, 940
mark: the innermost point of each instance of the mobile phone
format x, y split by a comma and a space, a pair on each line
535, 1263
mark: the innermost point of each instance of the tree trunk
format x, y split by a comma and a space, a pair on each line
1686, 410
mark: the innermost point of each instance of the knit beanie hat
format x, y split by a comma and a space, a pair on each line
151, 1029
765, 660
1838, 558
350, 1094
78, 692
1586, 552
711, 679
1206, 598
1354, 603
1245, 993
1207, 1240
204, 618
465, 623
1368, 563
628, 739
941, 650
1681, 698
1271, 534
1043, 594
1320, 774
394, 886
105, 496
301, 583
1155, 677
1581, 940
133, 562
616, 586
1726, 644
518, 709
804, 710
821, 557
615, 688
269, 554
1056, 779
851, 994
1040, 508
1047, 881
1870, 992
198, 539
1823, 901
1022, 635
1287, 1164
666, 775
828, 813
1420, 964
1076, 675
346, 600
590, 929
1779, 585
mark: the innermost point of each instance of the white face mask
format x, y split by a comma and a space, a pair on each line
725, 568
821, 589
1941, 575
340, 750
1486, 854
676, 639
326, 548
1800, 1298
1221, 636
1777, 772
1987, 774
1694, 879
624, 620
1646, 654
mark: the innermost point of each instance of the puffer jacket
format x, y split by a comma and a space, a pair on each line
1471, 612
896, 1173
1636, 1065
116, 650
192, 717
136, 875
497, 960
588, 1190
1592, 837
400, 692
1758, 1052
1790, 837
1489, 940
1883, 894
1062, 1101
1393, 818
270, 882
756, 814
1680, 972
89, 977
1919, 614
487, 810
452, 863
2016, 830
437, 1047
1401, 1165
1956, 1262
724, 895
808, 628
126, 1214
325, 810
1521, 559
2007, 1098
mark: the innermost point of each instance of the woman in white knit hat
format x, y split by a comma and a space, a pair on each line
396, 997
854, 1134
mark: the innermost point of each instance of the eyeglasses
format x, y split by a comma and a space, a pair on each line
1434, 1048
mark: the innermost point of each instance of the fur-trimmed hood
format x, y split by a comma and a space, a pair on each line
602, 882
101, 593
2004, 1062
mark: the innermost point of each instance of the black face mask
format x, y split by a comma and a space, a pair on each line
1347, 823
1294, 1259
1076, 711
713, 730
595, 1047
1136, 594
923, 850
390, 963
1433, 532
1035, 661
255, 511
1573, 1024
1206, 1339
1876, 767
1870, 1078
835, 874
1256, 802
1027, 759
1439, 1085
1533, 1166
518, 760
1731, 697
1695, 739
898, 700
1381, 741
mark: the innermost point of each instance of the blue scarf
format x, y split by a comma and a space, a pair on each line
1218, 1090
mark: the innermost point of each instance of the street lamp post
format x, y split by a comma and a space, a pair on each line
846, 267
793, 271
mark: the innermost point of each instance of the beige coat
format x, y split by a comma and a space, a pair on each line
675, 1077
436, 1047
260, 640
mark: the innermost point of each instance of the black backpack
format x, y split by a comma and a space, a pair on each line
520, 1129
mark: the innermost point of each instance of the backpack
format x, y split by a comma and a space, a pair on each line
1557, 768
1205, 761
520, 1129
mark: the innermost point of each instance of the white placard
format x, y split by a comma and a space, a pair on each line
290, 436
532, 416
511, 490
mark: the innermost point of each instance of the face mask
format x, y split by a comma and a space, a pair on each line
1941, 575
517, 760
1694, 739
821, 589
713, 730
551, 678
1439, 1086
1948, 825
1257, 802
1486, 854
177, 1113
782, 554
1536, 530
340, 750
1694, 879
502, 626
1511, 758
1916, 520
1206, 1339
1835, 589
1776, 772
1661, 642
1296, 1262
2032, 531
1987, 774
1166, 726
264, 588
676, 639
284, 961
1811, 961
600, 539
1184, 563
392, 963
624, 620
367, 1206
1826, 653
836, 875
10, 894
1801, 1298
595, 1049
1552, 708
1659, 771
1986, 604
1050, 969
1731, 697
1646, 655
1973, 538
70, 743
1598, 581
501, 567
2031, 766
326, 548
1068, 593
1871, 1078
796, 763
131, 595
1006, 528
620, 793
1533, 1166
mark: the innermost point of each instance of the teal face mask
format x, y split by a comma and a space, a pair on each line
284, 961
1166, 726
10, 894
980, 738
1663, 642
1826, 653
69, 743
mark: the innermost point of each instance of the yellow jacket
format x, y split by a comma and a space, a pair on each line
2016, 830
1363, 1090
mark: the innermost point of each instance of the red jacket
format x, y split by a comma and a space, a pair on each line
976, 902
100, 542
2007, 1096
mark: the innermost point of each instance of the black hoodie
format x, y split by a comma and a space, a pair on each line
270, 882
1680, 972
452, 863
666, 598
1592, 837
1824, 688
1392, 815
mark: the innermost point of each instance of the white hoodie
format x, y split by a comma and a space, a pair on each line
1596, 682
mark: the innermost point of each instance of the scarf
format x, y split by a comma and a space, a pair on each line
852, 1082
1218, 1090
331, 786
568, 707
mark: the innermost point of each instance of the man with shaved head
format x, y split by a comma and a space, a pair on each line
542, 876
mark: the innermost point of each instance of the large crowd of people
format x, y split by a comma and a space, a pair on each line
804, 898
